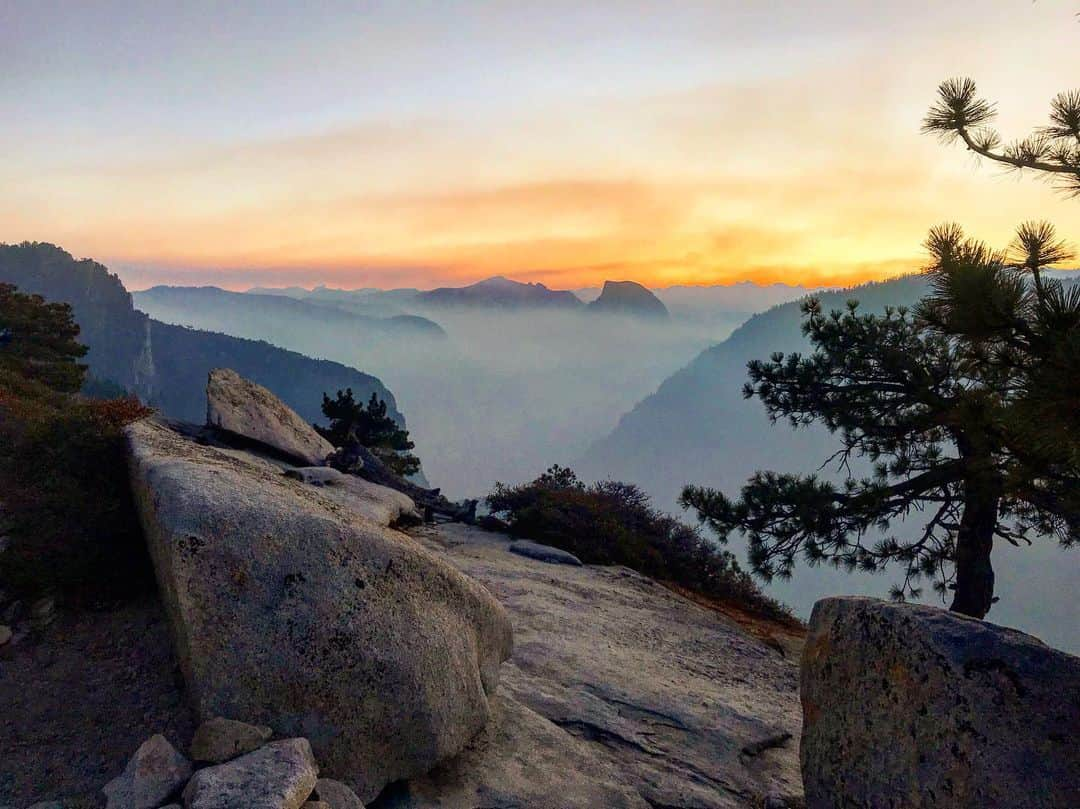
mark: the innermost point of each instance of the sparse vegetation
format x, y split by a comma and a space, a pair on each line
63, 480
613, 523
370, 427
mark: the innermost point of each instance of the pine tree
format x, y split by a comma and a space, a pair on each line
966, 416
370, 427
1052, 151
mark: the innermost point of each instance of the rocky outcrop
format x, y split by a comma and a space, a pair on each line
218, 740
644, 689
379, 503
271, 775
280, 775
629, 298
243, 408
336, 795
357, 460
520, 759
911, 707
156, 771
543, 553
290, 607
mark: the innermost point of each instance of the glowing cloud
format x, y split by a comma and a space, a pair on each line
694, 146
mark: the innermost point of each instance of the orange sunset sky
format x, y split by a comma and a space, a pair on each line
422, 144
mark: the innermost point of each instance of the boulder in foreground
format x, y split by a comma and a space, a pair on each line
155, 771
217, 740
280, 775
336, 795
290, 609
249, 410
911, 707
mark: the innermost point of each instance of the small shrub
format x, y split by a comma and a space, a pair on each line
613, 523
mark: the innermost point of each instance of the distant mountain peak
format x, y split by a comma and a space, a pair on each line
629, 298
501, 292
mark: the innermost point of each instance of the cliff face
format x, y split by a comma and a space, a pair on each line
167, 365
110, 326
629, 298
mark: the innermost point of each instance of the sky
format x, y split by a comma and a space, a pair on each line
430, 143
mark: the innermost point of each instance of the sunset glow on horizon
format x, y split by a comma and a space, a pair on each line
363, 144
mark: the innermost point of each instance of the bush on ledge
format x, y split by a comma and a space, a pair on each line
613, 523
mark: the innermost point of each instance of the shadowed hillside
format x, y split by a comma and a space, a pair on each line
167, 365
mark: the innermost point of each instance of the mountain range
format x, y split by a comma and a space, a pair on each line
497, 293
201, 306
167, 364
500, 292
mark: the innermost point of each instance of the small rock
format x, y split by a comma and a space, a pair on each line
317, 475
543, 553
5, 634
280, 775
218, 740
5, 543
42, 612
336, 795
154, 773
48, 805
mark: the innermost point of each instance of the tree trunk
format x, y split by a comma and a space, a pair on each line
974, 541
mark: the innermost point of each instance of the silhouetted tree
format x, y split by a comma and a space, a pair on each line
370, 427
1052, 150
951, 414
40, 345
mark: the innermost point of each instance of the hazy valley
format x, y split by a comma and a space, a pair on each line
496, 393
